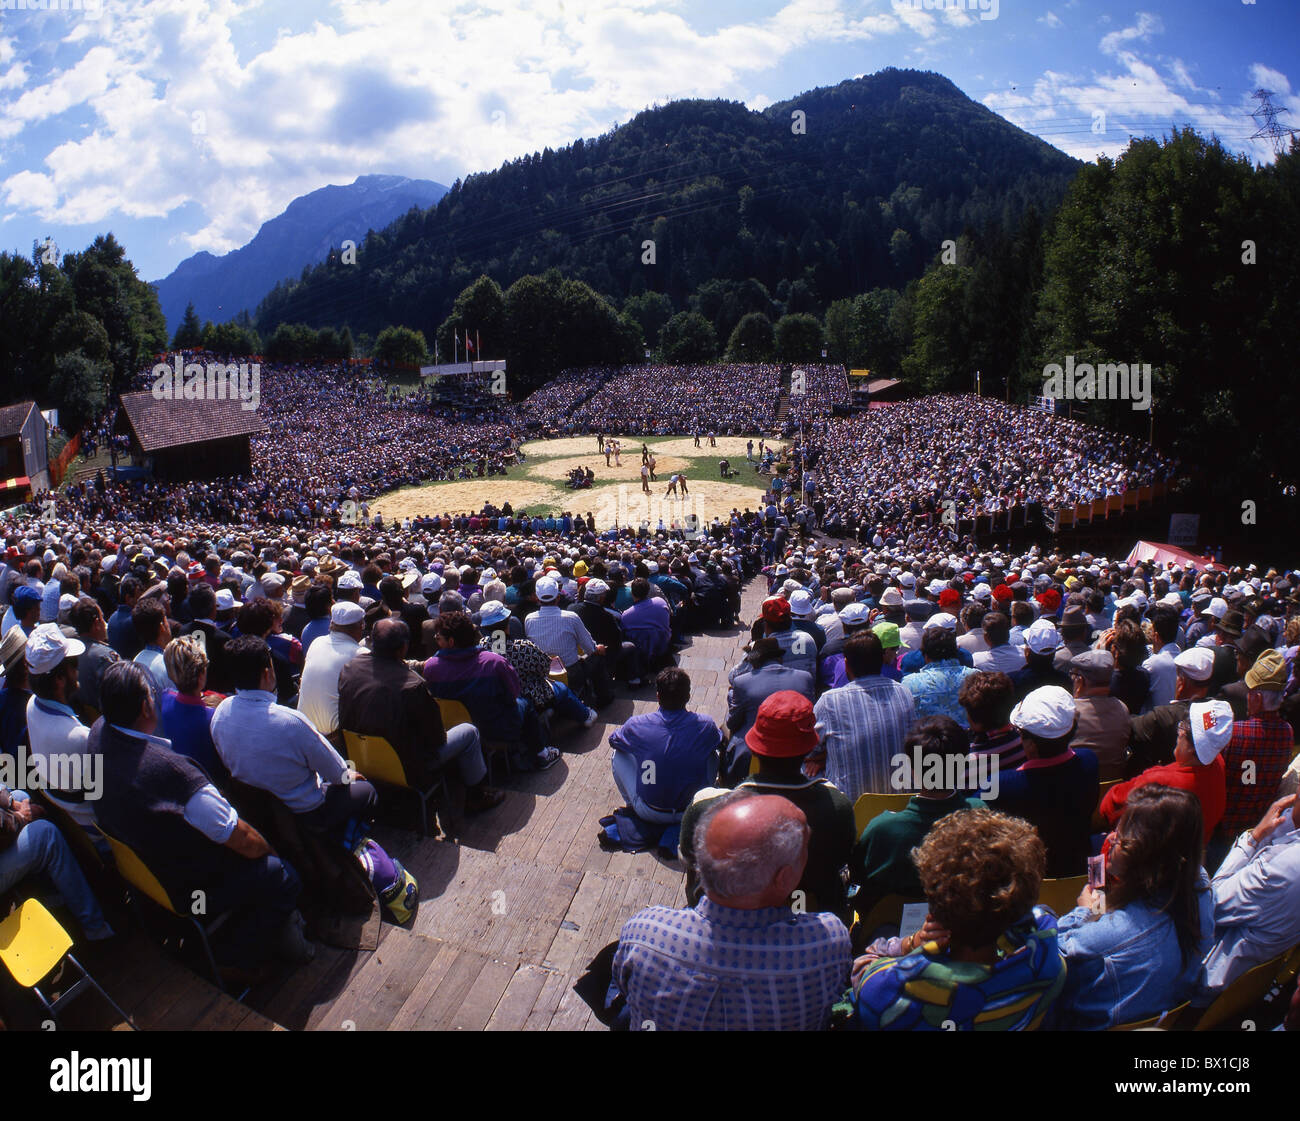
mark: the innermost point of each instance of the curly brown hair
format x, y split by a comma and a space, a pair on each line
988, 699
981, 872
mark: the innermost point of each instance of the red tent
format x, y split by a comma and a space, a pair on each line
1171, 554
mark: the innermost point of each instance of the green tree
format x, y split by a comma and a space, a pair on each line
479, 309
687, 337
400, 346
190, 333
842, 342
753, 340
798, 338
650, 310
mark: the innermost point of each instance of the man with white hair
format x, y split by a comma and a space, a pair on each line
741, 959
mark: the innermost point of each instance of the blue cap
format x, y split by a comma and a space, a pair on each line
25, 595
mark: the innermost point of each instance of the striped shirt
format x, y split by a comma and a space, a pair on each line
559, 632
1002, 742
862, 727
715, 968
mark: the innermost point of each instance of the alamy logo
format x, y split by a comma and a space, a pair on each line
88, 1075
972, 774
210, 381
1108, 381
987, 9
91, 9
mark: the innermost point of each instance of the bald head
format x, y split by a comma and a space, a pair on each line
389, 638
751, 850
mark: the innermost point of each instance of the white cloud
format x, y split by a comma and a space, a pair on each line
1051, 19
1146, 26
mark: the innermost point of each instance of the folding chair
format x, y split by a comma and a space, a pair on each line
1165, 1021
377, 759
1249, 989
32, 943
1062, 895
140, 879
869, 806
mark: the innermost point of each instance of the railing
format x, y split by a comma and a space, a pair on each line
59, 464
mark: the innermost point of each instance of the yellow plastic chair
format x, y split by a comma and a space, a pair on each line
1249, 989
377, 759
454, 712
1062, 895
140, 878
869, 806
1165, 1021
886, 912
32, 943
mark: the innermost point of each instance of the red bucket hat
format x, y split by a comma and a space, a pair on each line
776, 609
785, 727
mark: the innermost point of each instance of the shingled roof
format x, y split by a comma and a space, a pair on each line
162, 423
13, 417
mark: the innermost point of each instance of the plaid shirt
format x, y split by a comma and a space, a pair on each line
715, 968
1266, 742
863, 725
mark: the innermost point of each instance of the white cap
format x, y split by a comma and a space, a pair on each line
1171, 599
1211, 728
981, 591
1218, 608
226, 600
547, 589
273, 580
940, 621
907, 580
891, 597
346, 614
47, 646
431, 582
802, 605
351, 579
1196, 663
1041, 637
1048, 712
596, 587
855, 614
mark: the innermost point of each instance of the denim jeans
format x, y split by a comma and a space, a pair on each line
41, 848
567, 703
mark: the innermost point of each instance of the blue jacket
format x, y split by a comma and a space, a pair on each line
1126, 965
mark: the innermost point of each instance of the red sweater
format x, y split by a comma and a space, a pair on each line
1207, 783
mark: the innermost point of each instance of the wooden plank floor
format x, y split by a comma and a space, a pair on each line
509, 915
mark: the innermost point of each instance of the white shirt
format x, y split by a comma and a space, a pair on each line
318, 691
1164, 676
54, 730
1256, 904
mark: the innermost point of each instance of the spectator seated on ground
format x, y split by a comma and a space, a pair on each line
781, 738
166, 809
1134, 949
986, 959
881, 863
740, 960
381, 695
662, 758
277, 749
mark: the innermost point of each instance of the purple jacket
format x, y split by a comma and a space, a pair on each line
648, 627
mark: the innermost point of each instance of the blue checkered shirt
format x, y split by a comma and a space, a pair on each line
715, 968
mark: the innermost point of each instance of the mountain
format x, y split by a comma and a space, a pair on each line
221, 287
858, 193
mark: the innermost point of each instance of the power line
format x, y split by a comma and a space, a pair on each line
1266, 116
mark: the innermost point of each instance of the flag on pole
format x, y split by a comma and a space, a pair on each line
469, 343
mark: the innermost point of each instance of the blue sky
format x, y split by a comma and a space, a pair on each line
183, 125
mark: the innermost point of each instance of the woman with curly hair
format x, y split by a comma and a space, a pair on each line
986, 958
1139, 954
